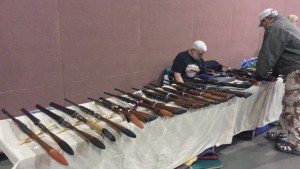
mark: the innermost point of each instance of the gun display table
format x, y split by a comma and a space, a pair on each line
163, 144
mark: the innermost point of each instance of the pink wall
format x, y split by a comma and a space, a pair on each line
53, 49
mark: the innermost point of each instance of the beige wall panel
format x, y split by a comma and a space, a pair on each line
30, 53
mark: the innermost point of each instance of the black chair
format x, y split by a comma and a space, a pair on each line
213, 65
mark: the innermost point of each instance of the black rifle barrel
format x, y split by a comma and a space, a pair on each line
96, 142
98, 116
62, 144
174, 110
76, 115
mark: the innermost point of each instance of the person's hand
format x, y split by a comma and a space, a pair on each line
192, 69
258, 83
271, 78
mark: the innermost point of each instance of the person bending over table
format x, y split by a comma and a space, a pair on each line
280, 52
189, 64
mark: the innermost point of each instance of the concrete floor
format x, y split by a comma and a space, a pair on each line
261, 153
4, 162
243, 153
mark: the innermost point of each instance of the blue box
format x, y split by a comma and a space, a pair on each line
257, 131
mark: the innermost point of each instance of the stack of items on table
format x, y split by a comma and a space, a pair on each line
206, 160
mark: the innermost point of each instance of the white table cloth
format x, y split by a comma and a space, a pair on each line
163, 144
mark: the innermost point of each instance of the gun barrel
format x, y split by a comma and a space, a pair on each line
174, 110
128, 115
96, 142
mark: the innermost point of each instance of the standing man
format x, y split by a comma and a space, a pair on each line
189, 64
280, 52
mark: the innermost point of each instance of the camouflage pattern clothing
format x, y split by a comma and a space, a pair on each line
289, 120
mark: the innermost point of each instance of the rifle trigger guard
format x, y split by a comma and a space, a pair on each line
114, 106
168, 95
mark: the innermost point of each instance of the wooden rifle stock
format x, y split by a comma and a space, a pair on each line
91, 124
144, 117
179, 102
158, 111
128, 115
174, 110
109, 122
216, 93
198, 98
60, 120
220, 89
50, 150
62, 144
206, 95
181, 96
171, 94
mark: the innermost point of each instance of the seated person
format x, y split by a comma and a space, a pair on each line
190, 64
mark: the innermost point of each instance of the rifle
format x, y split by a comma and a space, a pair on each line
174, 110
145, 117
116, 126
51, 151
179, 102
155, 96
156, 110
88, 122
212, 92
60, 120
206, 95
188, 97
62, 144
252, 80
169, 94
129, 116
184, 94
218, 88
240, 72
237, 85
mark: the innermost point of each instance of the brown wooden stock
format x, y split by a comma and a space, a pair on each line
153, 104
177, 100
158, 110
166, 113
46, 146
52, 135
127, 114
198, 98
209, 96
50, 150
84, 135
111, 123
140, 115
189, 99
133, 119
220, 94
168, 108
203, 94
186, 104
217, 93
